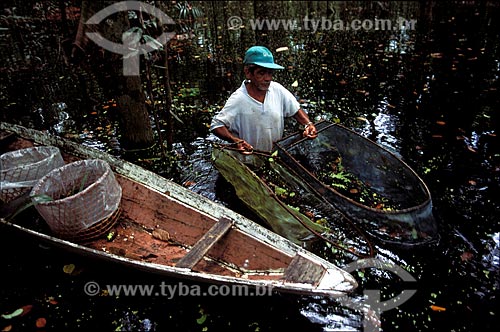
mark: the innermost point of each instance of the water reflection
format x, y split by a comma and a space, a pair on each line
198, 172
492, 258
332, 317
383, 130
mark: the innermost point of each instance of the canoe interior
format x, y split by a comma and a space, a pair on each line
156, 228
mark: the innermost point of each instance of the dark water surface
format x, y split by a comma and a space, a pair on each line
430, 95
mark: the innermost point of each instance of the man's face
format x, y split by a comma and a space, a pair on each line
260, 77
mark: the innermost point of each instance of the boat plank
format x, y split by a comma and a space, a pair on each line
205, 243
302, 270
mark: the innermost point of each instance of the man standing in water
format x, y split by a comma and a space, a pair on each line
254, 115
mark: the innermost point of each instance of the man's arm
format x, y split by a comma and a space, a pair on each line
224, 133
303, 119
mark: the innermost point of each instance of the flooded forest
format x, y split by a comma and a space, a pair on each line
420, 78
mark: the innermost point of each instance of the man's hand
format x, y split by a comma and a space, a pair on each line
244, 147
310, 131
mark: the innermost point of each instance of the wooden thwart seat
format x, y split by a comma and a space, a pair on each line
205, 243
302, 270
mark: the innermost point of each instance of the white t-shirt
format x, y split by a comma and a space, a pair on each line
260, 124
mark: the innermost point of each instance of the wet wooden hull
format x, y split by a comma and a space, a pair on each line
166, 229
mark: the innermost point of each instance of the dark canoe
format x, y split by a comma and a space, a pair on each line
278, 196
409, 220
166, 229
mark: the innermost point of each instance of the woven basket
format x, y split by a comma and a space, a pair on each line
85, 199
21, 169
97, 230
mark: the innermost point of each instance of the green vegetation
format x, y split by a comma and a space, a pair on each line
335, 175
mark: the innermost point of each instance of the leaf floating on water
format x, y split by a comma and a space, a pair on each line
202, 319
26, 309
41, 322
189, 183
437, 55
51, 300
68, 269
437, 308
13, 314
18, 312
466, 256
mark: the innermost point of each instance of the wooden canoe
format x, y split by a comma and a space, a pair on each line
164, 228
287, 206
402, 212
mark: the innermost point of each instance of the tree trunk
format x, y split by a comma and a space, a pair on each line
135, 126
168, 104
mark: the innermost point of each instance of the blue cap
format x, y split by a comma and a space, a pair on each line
260, 56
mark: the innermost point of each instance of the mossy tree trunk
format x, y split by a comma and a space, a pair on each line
135, 125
